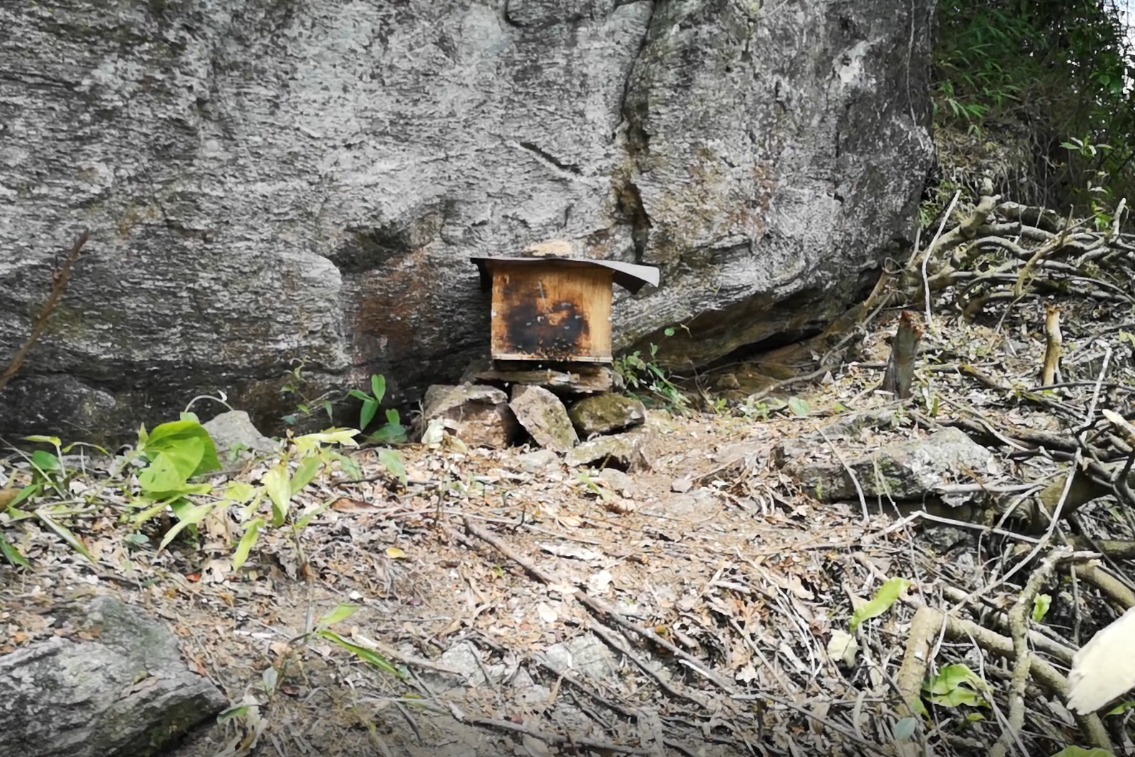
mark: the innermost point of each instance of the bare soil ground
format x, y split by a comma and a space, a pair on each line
720, 593
689, 608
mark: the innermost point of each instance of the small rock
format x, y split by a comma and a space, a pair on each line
623, 451
900, 471
477, 415
538, 460
467, 659
617, 480
544, 417
607, 413
586, 654
682, 485
727, 381
233, 432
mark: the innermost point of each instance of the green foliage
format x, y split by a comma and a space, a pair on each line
956, 686
174, 453
799, 407
306, 405
645, 374
1048, 69
887, 595
392, 432
1097, 189
371, 401
50, 477
1041, 605
359, 650
165, 478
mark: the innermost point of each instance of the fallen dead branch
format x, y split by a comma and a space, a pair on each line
930, 621
1019, 628
600, 608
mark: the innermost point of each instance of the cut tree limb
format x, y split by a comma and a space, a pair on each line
1053, 347
900, 367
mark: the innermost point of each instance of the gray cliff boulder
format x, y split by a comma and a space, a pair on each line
270, 184
112, 683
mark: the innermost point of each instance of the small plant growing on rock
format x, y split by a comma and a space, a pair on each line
639, 373
392, 432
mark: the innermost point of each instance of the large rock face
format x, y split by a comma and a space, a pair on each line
276, 181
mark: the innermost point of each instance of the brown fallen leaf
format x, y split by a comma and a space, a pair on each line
348, 505
7, 496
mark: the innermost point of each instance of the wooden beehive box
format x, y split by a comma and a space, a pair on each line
555, 309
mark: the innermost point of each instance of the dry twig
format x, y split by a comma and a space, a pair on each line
60, 280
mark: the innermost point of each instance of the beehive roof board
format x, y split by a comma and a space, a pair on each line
629, 276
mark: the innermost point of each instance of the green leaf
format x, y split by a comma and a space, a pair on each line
279, 491
54, 441
187, 517
239, 492
956, 685
341, 436
1121, 708
187, 442
958, 697
162, 478
799, 407
1040, 606
392, 433
359, 394
305, 473
905, 728
347, 465
184, 456
45, 462
247, 542
308, 517
232, 713
63, 533
12, 555
366, 655
1077, 751
393, 463
25, 494
378, 386
366, 415
887, 595
150, 512
338, 615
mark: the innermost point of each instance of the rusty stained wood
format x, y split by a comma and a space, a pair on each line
549, 313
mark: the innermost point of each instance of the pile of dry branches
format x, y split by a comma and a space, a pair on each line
1010, 273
